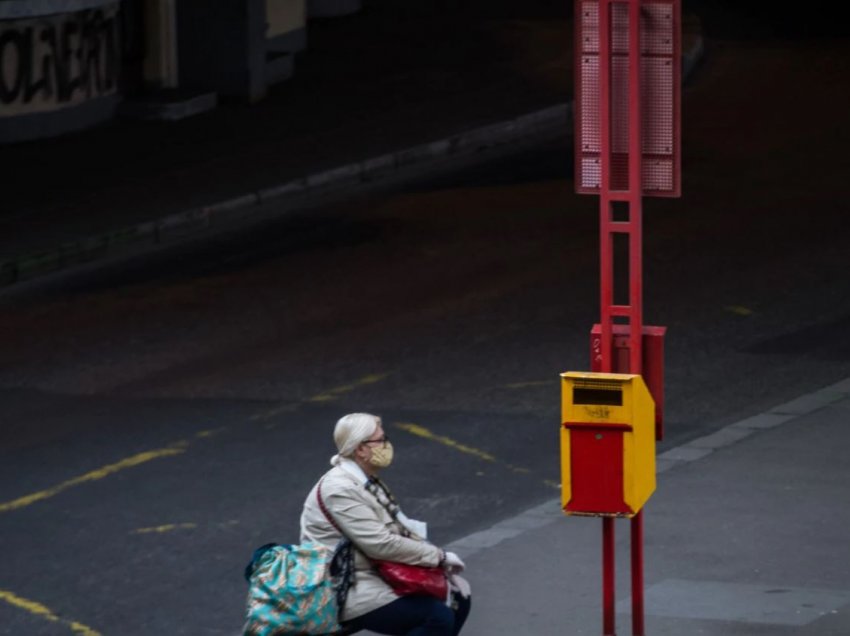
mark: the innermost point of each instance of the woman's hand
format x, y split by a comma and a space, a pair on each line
452, 562
460, 585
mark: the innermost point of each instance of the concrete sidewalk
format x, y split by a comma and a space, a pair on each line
746, 534
373, 96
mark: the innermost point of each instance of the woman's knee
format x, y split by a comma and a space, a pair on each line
441, 619
461, 612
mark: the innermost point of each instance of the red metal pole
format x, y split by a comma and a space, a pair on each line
608, 577
617, 135
635, 194
606, 288
636, 279
606, 245
637, 574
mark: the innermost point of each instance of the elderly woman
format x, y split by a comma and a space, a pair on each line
362, 509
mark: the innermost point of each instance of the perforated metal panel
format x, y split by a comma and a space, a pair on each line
660, 88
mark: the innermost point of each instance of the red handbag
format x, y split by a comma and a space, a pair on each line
405, 579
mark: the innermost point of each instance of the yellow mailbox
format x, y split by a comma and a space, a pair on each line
607, 444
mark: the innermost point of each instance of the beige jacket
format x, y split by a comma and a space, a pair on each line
373, 531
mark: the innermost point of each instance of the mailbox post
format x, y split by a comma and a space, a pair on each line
607, 444
627, 146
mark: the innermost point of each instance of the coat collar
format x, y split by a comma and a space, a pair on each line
351, 467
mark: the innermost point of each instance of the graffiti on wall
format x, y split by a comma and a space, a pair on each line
58, 61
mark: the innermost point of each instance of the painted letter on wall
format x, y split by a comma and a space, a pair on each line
56, 61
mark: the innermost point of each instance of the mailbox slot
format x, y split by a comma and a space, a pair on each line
605, 397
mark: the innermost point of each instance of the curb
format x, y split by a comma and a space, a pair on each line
550, 511
193, 222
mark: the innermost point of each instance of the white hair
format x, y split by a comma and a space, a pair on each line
352, 430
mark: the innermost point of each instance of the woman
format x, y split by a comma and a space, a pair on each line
362, 508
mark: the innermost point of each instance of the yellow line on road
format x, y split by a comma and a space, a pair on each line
326, 396
421, 431
332, 394
211, 433
169, 527
525, 385
267, 415
186, 525
740, 310
142, 458
37, 609
173, 449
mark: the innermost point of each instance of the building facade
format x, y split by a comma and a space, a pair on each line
66, 65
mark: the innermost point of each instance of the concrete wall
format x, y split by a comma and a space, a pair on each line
61, 60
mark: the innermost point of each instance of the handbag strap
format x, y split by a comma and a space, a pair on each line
342, 563
324, 508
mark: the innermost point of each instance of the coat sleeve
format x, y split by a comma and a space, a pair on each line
361, 523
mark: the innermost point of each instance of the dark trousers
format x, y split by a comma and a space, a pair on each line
414, 616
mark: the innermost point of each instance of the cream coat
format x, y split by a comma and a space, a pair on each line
373, 531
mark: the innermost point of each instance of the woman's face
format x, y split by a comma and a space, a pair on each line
375, 452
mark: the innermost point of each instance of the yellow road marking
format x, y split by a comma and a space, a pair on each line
267, 415
333, 394
421, 431
740, 310
525, 385
188, 525
326, 396
210, 433
174, 449
37, 609
169, 527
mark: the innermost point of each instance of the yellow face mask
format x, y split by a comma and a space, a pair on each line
382, 456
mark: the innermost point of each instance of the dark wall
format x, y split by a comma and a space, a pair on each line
221, 47
737, 19
132, 22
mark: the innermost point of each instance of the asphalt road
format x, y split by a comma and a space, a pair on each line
165, 416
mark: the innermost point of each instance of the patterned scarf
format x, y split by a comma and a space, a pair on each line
379, 490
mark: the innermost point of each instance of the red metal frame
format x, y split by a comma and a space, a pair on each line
632, 228
661, 78
652, 342
610, 33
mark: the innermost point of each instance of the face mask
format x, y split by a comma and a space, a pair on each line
382, 456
